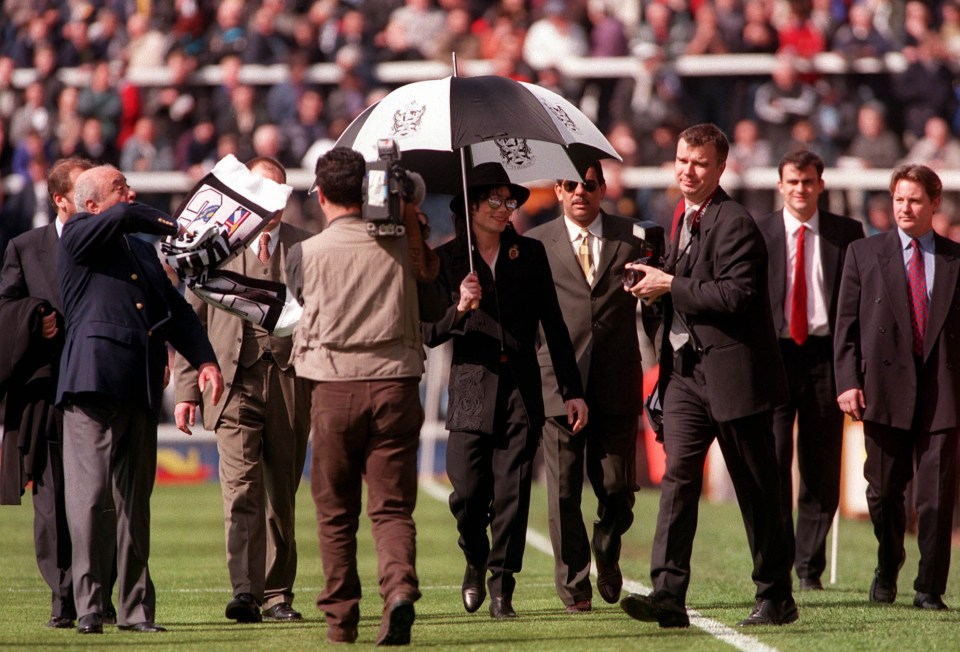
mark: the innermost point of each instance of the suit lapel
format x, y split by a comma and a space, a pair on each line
707, 220
830, 255
890, 262
777, 254
47, 255
946, 270
610, 246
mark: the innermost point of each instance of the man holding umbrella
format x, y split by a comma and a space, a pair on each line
495, 408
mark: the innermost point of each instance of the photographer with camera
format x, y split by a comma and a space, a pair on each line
495, 412
721, 376
587, 250
359, 341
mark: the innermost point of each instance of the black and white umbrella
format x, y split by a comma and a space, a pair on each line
531, 131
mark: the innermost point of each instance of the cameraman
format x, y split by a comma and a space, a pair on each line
359, 341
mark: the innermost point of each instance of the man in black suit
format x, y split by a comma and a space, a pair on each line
33, 426
587, 250
898, 369
495, 412
121, 310
721, 376
806, 247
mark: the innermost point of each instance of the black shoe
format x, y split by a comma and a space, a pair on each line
244, 609
502, 608
399, 620
929, 601
60, 622
109, 615
282, 611
883, 589
473, 591
142, 628
90, 624
772, 612
609, 582
811, 584
659, 607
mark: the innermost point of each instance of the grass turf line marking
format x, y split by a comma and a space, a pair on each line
718, 630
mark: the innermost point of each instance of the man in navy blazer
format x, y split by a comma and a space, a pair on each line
721, 376
897, 358
804, 307
121, 310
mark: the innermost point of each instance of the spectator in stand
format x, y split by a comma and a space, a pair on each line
554, 37
858, 37
798, 35
45, 68
834, 120
268, 143
352, 32
668, 30
94, 146
730, 22
417, 24
32, 115
264, 45
176, 105
508, 61
101, 100
306, 128
873, 146
196, 150
747, 151
282, 99
305, 38
106, 36
146, 150
6, 154
506, 20
243, 117
916, 23
938, 149
782, 101
77, 49
27, 206
759, 36
925, 88
950, 27
710, 95
458, 38
145, 45
67, 122
220, 96
654, 96
31, 34
32, 146
227, 35
9, 94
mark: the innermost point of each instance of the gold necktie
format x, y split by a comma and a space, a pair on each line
583, 255
264, 253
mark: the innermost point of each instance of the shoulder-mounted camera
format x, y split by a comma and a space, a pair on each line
385, 184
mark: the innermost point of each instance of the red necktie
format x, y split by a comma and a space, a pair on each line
798, 306
264, 253
916, 275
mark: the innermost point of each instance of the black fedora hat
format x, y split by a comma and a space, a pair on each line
489, 175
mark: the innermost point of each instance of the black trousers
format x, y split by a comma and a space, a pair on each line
491, 476
819, 443
895, 456
747, 447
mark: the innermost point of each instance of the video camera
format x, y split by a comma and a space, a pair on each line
384, 185
653, 241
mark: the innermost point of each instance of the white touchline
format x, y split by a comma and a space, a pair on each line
718, 630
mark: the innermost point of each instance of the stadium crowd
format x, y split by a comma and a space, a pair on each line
183, 122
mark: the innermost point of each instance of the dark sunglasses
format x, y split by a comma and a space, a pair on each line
496, 202
589, 186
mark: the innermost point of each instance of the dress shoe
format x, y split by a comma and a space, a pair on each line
396, 623
659, 607
883, 589
609, 582
930, 601
501, 608
772, 612
59, 622
244, 609
90, 624
142, 628
473, 590
811, 584
282, 611
109, 615
337, 635
580, 607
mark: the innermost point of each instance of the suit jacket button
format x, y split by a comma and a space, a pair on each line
134, 277
149, 333
883, 330
139, 306
877, 300
886, 363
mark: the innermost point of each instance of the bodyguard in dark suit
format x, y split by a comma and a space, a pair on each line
721, 376
495, 411
120, 310
805, 247
587, 250
898, 369
33, 427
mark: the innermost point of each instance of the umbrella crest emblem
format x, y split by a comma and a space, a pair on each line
563, 117
515, 153
406, 121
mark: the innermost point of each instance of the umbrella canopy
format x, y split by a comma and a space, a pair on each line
532, 132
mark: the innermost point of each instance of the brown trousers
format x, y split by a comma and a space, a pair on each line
365, 430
